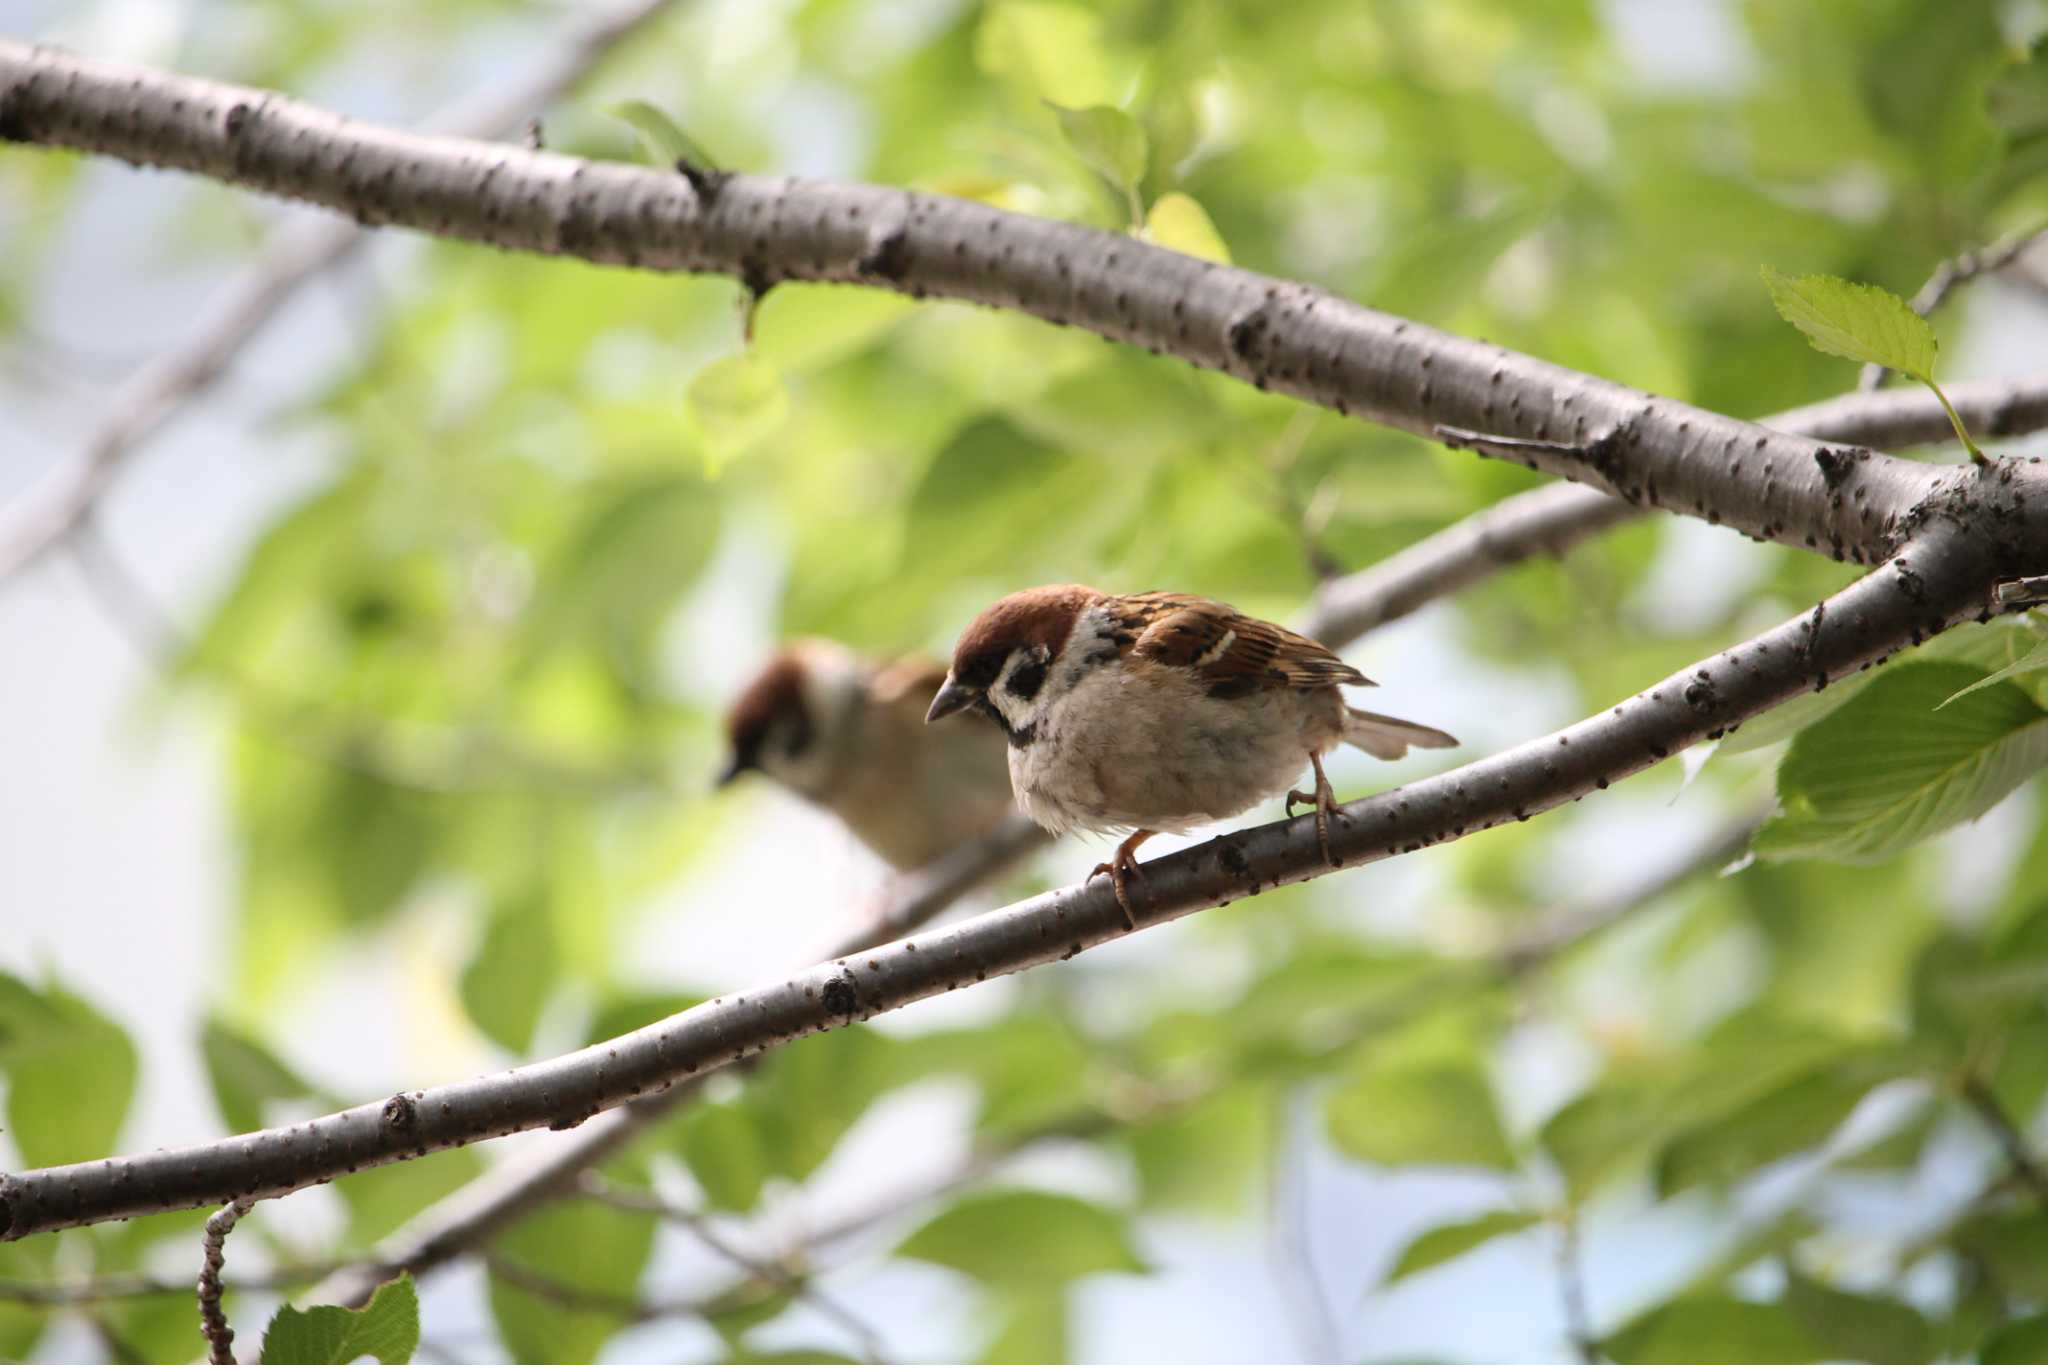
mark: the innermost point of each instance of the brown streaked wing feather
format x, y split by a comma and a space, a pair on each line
1234, 653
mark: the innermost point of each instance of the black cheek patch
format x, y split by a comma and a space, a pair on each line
1026, 679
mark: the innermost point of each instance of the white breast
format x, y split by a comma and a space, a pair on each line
1113, 750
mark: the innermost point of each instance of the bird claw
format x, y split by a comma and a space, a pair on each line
1121, 867
1324, 799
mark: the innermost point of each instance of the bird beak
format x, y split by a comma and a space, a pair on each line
740, 764
952, 697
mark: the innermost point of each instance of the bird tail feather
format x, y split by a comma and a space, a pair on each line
1386, 737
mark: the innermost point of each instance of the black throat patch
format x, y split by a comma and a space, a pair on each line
1020, 737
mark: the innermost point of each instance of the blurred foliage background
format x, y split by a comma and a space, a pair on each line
463, 681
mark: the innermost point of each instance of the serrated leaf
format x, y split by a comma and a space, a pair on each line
1452, 1240
735, 403
1425, 1115
70, 1072
1888, 770
1109, 141
2034, 661
664, 142
386, 1329
1855, 321
1025, 1238
1180, 222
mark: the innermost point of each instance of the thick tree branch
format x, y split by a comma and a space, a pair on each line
502, 1195
1552, 520
1272, 333
294, 255
1941, 578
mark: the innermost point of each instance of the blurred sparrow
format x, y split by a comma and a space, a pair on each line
845, 732
1159, 712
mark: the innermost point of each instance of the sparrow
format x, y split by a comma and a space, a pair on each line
1159, 712
843, 732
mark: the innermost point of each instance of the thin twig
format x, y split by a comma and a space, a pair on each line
165, 385
1956, 271
1979, 1095
1571, 1288
595, 1186
213, 1322
107, 1288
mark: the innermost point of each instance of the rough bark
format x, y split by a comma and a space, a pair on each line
764, 229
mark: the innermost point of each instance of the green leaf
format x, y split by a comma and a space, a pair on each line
664, 142
1790, 1118
1438, 1114
2033, 661
1714, 1330
585, 1247
1888, 769
1452, 1240
387, 1329
1025, 1238
246, 1076
70, 1073
1855, 321
735, 403
728, 1154
2023, 1342
1180, 222
816, 1089
1110, 142
383, 1198
1206, 1154
1629, 1115
507, 982
1034, 1330
1052, 50
1858, 1326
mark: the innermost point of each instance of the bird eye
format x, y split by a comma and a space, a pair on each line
1025, 679
981, 670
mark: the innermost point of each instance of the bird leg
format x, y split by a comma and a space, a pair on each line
1121, 867
1324, 799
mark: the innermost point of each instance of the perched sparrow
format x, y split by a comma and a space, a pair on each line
1158, 712
845, 732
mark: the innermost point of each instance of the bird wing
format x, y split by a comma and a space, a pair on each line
1234, 654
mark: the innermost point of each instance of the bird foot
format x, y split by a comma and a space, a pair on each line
1122, 867
1324, 799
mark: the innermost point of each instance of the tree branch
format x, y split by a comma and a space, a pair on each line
465, 1218
1272, 333
1956, 271
213, 1322
869, 1341
1556, 518
161, 388
1941, 579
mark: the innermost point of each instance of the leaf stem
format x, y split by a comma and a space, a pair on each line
1977, 456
